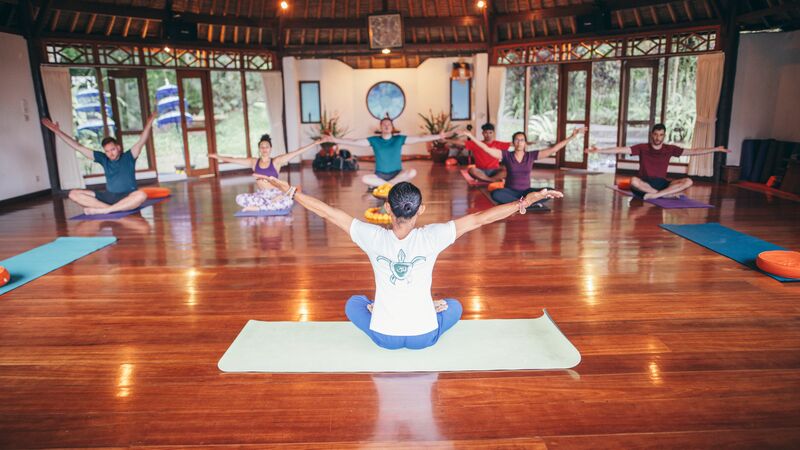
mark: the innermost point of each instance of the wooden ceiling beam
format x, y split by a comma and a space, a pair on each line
574, 10
775, 10
152, 42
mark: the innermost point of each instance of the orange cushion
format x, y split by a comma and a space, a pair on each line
624, 184
156, 192
782, 263
496, 185
5, 277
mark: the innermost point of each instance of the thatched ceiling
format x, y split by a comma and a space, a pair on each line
338, 28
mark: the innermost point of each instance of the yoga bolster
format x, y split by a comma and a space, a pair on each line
782, 263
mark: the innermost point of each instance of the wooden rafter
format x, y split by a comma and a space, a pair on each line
110, 25
54, 24
74, 22
126, 29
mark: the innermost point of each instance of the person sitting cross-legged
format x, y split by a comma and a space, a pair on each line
121, 193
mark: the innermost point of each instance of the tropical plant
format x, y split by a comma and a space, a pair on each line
436, 123
329, 125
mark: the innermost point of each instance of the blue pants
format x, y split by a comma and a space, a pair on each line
506, 195
357, 312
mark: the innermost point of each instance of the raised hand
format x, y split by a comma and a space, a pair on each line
721, 149
213, 156
50, 125
592, 149
578, 131
534, 197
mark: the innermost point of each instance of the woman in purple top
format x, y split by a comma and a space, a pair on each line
519, 164
265, 198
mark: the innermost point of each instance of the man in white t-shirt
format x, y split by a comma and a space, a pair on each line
404, 314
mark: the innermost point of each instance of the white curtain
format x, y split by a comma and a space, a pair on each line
709, 84
273, 88
57, 88
496, 87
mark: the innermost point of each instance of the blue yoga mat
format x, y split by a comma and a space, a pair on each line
46, 258
119, 214
264, 213
737, 246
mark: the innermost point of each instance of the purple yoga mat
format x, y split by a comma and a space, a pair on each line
119, 214
277, 212
668, 203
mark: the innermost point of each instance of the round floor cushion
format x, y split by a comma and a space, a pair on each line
783, 263
156, 192
624, 184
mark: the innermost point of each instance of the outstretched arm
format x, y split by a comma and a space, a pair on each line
280, 161
333, 215
53, 126
704, 151
137, 147
426, 138
233, 160
609, 150
495, 153
354, 142
554, 149
474, 221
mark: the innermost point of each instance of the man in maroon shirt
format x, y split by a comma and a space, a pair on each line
654, 157
487, 168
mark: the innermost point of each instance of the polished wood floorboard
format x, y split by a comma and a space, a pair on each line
682, 347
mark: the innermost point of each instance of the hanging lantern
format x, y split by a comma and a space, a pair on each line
461, 71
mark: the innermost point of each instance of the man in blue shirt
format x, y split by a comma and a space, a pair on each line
387, 148
121, 193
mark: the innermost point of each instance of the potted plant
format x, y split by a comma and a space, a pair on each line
435, 124
329, 125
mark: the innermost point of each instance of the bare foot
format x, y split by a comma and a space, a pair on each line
250, 208
651, 196
678, 195
94, 211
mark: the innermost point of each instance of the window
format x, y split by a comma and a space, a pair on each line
512, 106
167, 132
460, 105
604, 113
681, 111
310, 109
226, 91
257, 114
542, 105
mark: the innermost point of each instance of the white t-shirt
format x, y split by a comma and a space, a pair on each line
403, 271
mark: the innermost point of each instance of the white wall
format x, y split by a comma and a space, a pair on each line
344, 90
23, 168
767, 90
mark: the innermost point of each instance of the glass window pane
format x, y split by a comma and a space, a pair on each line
543, 105
167, 134
605, 113
193, 95
574, 150
129, 104
226, 89
198, 149
309, 102
257, 113
576, 95
512, 116
459, 99
640, 93
681, 102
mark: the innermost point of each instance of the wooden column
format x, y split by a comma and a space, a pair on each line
730, 46
35, 60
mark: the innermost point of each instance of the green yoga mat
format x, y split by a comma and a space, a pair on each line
46, 258
509, 344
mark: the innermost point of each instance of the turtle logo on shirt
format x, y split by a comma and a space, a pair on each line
400, 269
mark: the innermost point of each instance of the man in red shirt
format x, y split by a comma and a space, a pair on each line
487, 168
654, 157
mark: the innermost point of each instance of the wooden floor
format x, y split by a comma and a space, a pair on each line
682, 347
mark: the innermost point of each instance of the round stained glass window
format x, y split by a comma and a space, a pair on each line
386, 98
